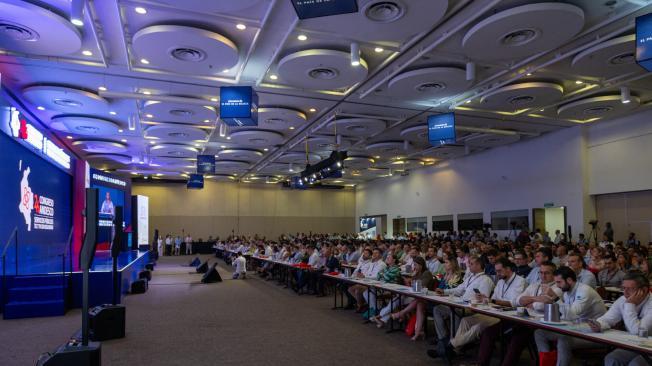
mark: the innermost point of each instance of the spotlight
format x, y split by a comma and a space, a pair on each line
241, 26
339, 164
144, 61
291, 168
141, 10
355, 54
113, 113
87, 53
312, 110
102, 88
470, 71
132, 122
273, 77
223, 129
40, 108
379, 49
302, 37
625, 95
77, 12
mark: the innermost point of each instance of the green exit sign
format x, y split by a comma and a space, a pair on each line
548, 205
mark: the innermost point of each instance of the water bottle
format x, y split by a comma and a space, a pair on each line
416, 286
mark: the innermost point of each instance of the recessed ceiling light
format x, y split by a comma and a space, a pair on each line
77, 22
141, 10
196, 145
222, 146
69, 137
228, 137
207, 120
265, 149
226, 70
528, 74
213, 99
379, 49
120, 130
291, 127
87, 53
468, 101
273, 77
147, 92
113, 113
313, 110
541, 110
144, 61
152, 142
149, 115
302, 37
578, 82
40, 108
102, 88
241, 26
124, 140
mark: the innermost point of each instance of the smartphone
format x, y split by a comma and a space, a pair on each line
476, 291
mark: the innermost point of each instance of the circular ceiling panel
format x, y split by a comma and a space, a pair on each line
277, 169
404, 164
248, 155
357, 127
231, 165
383, 20
614, 57
36, 30
100, 146
321, 69
176, 133
415, 134
326, 143
211, 6
429, 83
490, 140
358, 162
387, 148
298, 158
447, 152
185, 50
108, 160
256, 138
523, 96
179, 112
65, 99
523, 31
588, 109
84, 125
173, 150
174, 163
280, 119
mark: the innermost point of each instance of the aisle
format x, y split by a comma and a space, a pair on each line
182, 322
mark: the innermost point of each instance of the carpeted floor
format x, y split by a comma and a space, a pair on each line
237, 322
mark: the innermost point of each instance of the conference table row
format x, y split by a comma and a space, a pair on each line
615, 338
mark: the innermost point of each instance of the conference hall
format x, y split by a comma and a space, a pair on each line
326, 182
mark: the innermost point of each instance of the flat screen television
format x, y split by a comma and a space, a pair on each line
195, 181
441, 129
307, 9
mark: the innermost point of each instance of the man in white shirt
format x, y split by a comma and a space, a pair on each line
240, 264
476, 280
188, 244
433, 264
159, 246
367, 270
582, 301
507, 289
584, 276
634, 309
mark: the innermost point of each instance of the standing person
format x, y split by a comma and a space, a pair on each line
159, 246
240, 264
188, 244
609, 232
168, 244
177, 245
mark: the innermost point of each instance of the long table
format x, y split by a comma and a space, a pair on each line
615, 338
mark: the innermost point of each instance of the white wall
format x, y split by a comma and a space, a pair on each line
620, 154
518, 176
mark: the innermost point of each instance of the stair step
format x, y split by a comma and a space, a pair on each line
36, 293
33, 309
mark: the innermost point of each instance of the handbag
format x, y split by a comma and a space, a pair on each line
411, 325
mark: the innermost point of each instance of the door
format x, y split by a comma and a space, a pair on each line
539, 219
398, 226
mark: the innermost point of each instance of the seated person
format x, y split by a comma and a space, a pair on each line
476, 280
368, 270
634, 309
522, 268
611, 275
508, 288
582, 302
576, 263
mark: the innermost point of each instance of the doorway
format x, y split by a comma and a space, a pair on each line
550, 219
398, 226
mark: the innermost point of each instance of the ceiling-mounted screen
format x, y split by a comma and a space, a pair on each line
307, 9
644, 41
195, 181
441, 129
206, 164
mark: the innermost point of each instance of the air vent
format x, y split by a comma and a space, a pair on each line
385, 12
188, 54
519, 37
357, 129
87, 129
177, 134
323, 73
18, 32
274, 121
623, 59
425, 87
257, 141
67, 102
175, 153
181, 112
521, 100
597, 111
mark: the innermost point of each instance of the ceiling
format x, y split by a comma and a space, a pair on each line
135, 89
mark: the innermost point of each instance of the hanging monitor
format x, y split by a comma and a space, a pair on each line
239, 106
441, 129
195, 181
644, 41
307, 9
206, 164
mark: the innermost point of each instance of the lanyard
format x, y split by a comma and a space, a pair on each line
472, 279
508, 285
